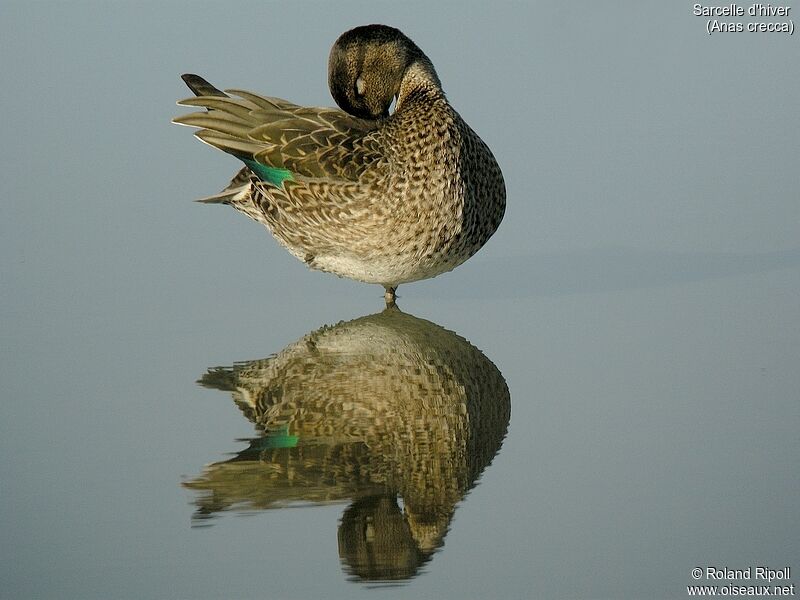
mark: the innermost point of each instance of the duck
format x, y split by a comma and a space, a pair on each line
362, 191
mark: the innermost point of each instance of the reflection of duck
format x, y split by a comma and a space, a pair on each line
366, 410
373, 197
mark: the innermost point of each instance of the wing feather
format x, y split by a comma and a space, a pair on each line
308, 141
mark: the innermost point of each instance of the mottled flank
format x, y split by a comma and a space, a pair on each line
374, 197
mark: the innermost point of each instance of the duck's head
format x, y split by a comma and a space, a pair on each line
369, 65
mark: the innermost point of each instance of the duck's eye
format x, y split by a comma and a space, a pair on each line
360, 86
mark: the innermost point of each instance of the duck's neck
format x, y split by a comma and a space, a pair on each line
420, 77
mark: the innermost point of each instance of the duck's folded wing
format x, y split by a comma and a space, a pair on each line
306, 142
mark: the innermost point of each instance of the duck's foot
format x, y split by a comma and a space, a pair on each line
390, 297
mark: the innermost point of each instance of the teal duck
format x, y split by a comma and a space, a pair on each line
376, 197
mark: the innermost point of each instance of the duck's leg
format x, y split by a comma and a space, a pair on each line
390, 296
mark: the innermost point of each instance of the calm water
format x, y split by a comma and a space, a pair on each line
604, 398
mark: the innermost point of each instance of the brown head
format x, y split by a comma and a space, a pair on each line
367, 66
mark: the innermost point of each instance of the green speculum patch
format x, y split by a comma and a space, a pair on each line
274, 175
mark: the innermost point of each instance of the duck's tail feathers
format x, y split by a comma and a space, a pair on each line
228, 196
237, 190
221, 198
